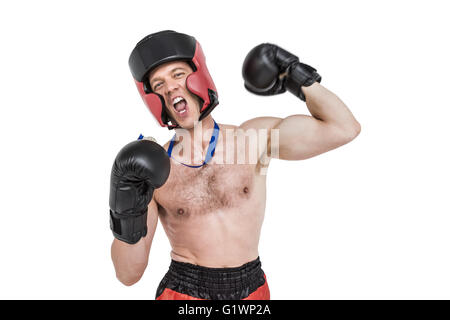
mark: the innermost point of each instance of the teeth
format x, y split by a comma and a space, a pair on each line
182, 111
176, 100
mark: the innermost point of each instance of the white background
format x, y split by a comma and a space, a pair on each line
367, 221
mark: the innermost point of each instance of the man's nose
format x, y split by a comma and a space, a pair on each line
172, 85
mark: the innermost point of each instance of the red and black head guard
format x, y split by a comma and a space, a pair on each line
165, 46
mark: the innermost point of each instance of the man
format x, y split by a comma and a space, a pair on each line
210, 196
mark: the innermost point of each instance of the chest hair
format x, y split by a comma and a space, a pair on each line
207, 189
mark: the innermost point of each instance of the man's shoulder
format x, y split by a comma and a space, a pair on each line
224, 126
166, 145
260, 123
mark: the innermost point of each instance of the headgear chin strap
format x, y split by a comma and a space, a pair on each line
166, 46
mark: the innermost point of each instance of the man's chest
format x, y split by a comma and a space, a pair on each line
202, 190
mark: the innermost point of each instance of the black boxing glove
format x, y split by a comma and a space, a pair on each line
140, 167
269, 70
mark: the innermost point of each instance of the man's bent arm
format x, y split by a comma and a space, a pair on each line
130, 260
330, 126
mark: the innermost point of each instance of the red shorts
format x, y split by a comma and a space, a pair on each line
185, 281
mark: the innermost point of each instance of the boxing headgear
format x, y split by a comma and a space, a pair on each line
165, 46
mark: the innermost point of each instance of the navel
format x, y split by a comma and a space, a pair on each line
246, 190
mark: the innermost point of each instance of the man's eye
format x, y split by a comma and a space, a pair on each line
177, 75
157, 85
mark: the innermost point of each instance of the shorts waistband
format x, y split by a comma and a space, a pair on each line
219, 278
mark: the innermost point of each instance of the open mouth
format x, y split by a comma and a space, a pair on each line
180, 105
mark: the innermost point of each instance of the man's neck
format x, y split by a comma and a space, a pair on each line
197, 139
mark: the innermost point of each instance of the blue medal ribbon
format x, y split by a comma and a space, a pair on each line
209, 153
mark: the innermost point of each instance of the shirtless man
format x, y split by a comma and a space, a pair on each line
210, 196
